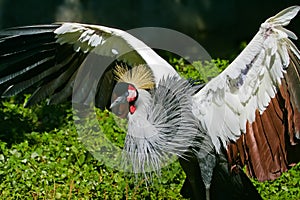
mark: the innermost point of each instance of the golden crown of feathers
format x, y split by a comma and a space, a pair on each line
140, 76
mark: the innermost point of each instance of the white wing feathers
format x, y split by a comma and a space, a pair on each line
115, 43
228, 101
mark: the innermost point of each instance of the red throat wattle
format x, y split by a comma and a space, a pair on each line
132, 109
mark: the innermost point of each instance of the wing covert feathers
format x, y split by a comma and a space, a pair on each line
230, 101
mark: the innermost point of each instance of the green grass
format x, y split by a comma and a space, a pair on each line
287, 186
41, 157
53, 164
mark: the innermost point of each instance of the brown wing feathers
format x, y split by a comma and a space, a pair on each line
271, 143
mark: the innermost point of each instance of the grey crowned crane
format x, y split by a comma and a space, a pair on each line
214, 131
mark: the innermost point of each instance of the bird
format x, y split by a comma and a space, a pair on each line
214, 129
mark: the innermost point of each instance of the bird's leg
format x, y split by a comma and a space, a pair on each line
207, 194
207, 164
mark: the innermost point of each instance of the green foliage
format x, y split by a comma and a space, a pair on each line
287, 186
42, 155
54, 164
201, 71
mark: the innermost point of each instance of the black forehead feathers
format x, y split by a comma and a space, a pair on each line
121, 88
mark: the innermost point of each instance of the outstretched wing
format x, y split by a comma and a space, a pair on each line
48, 57
230, 101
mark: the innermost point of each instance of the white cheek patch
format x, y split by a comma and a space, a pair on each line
131, 95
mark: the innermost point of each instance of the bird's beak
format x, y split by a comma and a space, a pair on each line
119, 100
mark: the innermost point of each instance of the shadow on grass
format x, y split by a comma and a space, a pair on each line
17, 121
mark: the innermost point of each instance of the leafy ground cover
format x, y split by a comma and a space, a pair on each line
42, 158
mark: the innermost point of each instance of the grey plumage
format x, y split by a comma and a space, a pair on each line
172, 129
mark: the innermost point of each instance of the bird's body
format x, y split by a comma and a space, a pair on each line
166, 115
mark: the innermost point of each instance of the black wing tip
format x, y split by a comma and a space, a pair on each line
29, 30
